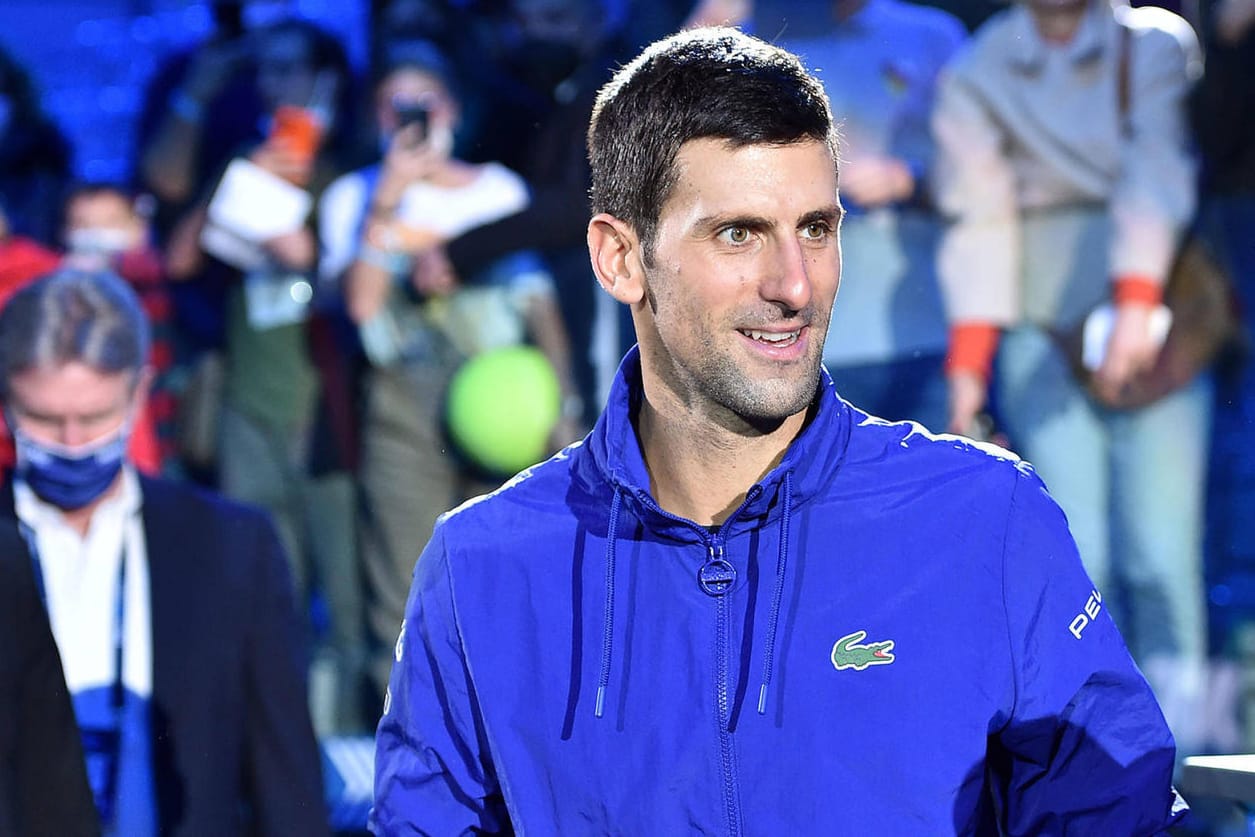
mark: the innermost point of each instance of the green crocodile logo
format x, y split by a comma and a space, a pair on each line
847, 653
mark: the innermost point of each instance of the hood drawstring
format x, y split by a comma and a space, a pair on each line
786, 510
607, 624
607, 637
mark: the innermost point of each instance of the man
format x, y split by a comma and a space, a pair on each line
742, 605
43, 787
172, 610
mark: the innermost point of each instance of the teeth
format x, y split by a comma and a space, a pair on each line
772, 337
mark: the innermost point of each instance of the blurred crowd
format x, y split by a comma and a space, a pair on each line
371, 300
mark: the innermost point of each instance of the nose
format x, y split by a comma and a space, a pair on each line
788, 280
72, 434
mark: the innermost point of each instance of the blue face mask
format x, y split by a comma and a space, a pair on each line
70, 477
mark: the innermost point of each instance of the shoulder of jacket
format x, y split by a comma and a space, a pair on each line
195, 502
536, 488
1158, 29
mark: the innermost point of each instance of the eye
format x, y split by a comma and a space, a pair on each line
735, 235
816, 230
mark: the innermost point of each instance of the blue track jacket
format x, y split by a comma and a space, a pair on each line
892, 635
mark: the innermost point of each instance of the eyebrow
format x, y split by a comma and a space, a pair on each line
709, 223
832, 214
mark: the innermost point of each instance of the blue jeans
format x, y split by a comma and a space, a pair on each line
1132, 486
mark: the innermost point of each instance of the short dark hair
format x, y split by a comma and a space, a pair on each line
71, 315
704, 83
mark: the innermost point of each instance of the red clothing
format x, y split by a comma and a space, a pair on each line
21, 260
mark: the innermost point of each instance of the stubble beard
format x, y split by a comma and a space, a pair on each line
759, 403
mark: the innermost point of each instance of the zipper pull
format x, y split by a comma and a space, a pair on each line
716, 576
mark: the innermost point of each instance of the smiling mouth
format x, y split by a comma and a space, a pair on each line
773, 338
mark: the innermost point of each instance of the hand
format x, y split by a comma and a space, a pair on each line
295, 250
1131, 350
409, 160
968, 394
433, 273
876, 181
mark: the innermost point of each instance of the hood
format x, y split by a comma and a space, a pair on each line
613, 455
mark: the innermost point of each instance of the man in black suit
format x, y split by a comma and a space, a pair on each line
43, 788
172, 609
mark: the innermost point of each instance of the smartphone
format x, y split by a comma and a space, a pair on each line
412, 113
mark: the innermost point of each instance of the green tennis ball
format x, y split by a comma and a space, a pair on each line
502, 406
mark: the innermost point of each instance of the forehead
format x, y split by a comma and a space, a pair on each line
713, 177
283, 51
411, 83
70, 389
99, 205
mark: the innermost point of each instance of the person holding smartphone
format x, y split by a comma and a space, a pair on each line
379, 227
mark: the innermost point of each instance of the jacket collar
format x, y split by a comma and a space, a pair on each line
813, 458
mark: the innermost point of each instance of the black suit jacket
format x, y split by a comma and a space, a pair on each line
233, 748
43, 785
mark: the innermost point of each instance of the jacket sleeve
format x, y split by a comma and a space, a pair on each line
1085, 749
1154, 194
974, 187
433, 770
284, 767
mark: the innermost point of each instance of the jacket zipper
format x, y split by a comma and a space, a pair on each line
723, 703
723, 619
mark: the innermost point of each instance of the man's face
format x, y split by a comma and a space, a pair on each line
73, 404
746, 264
410, 87
109, 213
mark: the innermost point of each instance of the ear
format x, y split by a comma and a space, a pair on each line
615, 253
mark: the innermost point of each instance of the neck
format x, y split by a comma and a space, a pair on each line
1058, 25
701, 470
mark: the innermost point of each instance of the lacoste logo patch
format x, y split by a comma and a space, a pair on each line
848, 653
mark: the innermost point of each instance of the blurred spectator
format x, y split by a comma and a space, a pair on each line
201, 106
287, 438
879, 61
555, 54
375, 224
491, 104
21, 262
1060, 203
34, 158
43, 784
106, 229
172, 610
